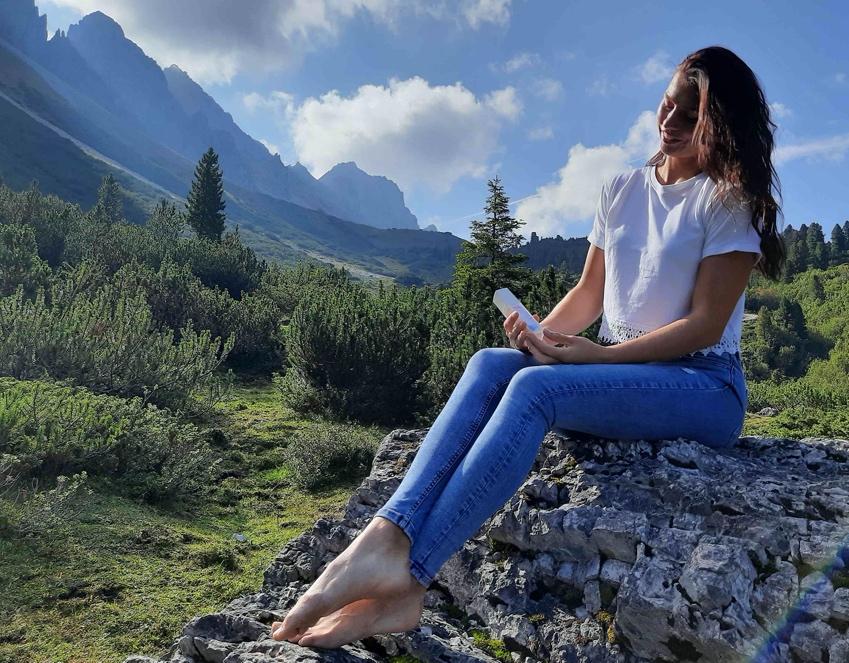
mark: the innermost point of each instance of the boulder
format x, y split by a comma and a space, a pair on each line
612, 551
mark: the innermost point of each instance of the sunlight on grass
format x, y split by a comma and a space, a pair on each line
125, 577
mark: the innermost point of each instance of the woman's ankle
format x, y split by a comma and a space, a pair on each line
389, 532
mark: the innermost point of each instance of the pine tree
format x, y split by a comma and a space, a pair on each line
485, 264
839, 246
206, 199
109, 207
817, 250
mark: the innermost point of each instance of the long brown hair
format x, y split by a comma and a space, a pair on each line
734, 137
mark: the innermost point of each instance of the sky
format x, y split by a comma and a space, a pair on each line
551, 96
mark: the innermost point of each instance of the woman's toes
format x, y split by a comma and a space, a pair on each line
304, 614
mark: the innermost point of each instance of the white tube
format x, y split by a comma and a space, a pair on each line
507, 302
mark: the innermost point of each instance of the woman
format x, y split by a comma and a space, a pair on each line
672, 248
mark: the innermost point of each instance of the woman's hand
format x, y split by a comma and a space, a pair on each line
557, 348
513, 326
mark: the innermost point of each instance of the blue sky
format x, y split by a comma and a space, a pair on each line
549, 95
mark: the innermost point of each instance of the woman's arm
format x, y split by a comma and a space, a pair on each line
582, 304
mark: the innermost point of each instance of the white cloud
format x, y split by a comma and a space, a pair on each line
564, 205
505, 102
549, 89
658, 68
541, 133
600, 86
779, 110
417, 134
521, 61
271, 147
840, 77
478, 12
831, 148
214, 40
277, 101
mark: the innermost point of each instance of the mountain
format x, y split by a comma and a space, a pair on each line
93, 98
365, 196
49, 138
566, 254
22, 26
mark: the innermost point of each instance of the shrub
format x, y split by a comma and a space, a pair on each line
19, 261
331, 452
105, 340
48, 430
360, 355
34, 512
227, 264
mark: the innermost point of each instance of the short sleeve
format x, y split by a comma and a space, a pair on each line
729, 230
596, 235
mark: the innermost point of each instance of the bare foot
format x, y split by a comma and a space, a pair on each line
375, 565
364, 618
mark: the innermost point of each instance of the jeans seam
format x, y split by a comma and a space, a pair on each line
460, 450
482, 483
535, 403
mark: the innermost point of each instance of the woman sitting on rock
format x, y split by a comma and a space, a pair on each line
671, 250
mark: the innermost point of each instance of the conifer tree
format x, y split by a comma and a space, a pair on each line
109, 207
205, 203
839, 246
485, 264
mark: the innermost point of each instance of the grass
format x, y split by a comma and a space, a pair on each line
798, 422
124, 577
491, 646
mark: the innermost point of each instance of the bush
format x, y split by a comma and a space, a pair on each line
50, 217
105, 340
49, 430
330, 453
359, 355
227, 264
177, 297
19, 261
34, 512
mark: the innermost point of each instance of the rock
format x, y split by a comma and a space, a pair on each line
840, 606
811, 640
773, 597
817, 594
611, 551
839, 650
616, 534
614, 571
717, 574
768, 411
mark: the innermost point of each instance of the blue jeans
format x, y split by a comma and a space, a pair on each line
482, 445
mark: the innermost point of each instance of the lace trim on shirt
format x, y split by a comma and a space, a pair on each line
615, 331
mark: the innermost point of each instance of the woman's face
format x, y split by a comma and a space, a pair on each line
676, 118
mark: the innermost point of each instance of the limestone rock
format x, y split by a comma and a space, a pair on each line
610, 552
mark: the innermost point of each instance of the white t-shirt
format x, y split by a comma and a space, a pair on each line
654, 236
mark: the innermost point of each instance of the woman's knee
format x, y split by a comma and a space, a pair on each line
496, 362
528, 387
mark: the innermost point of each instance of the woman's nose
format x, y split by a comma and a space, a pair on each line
672, 120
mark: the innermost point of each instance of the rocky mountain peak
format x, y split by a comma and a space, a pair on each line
22, 26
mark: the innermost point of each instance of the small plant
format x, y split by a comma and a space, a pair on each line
42, 511
606, 620
491, 646
329, 453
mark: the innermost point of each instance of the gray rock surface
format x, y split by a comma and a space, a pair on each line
612, 551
